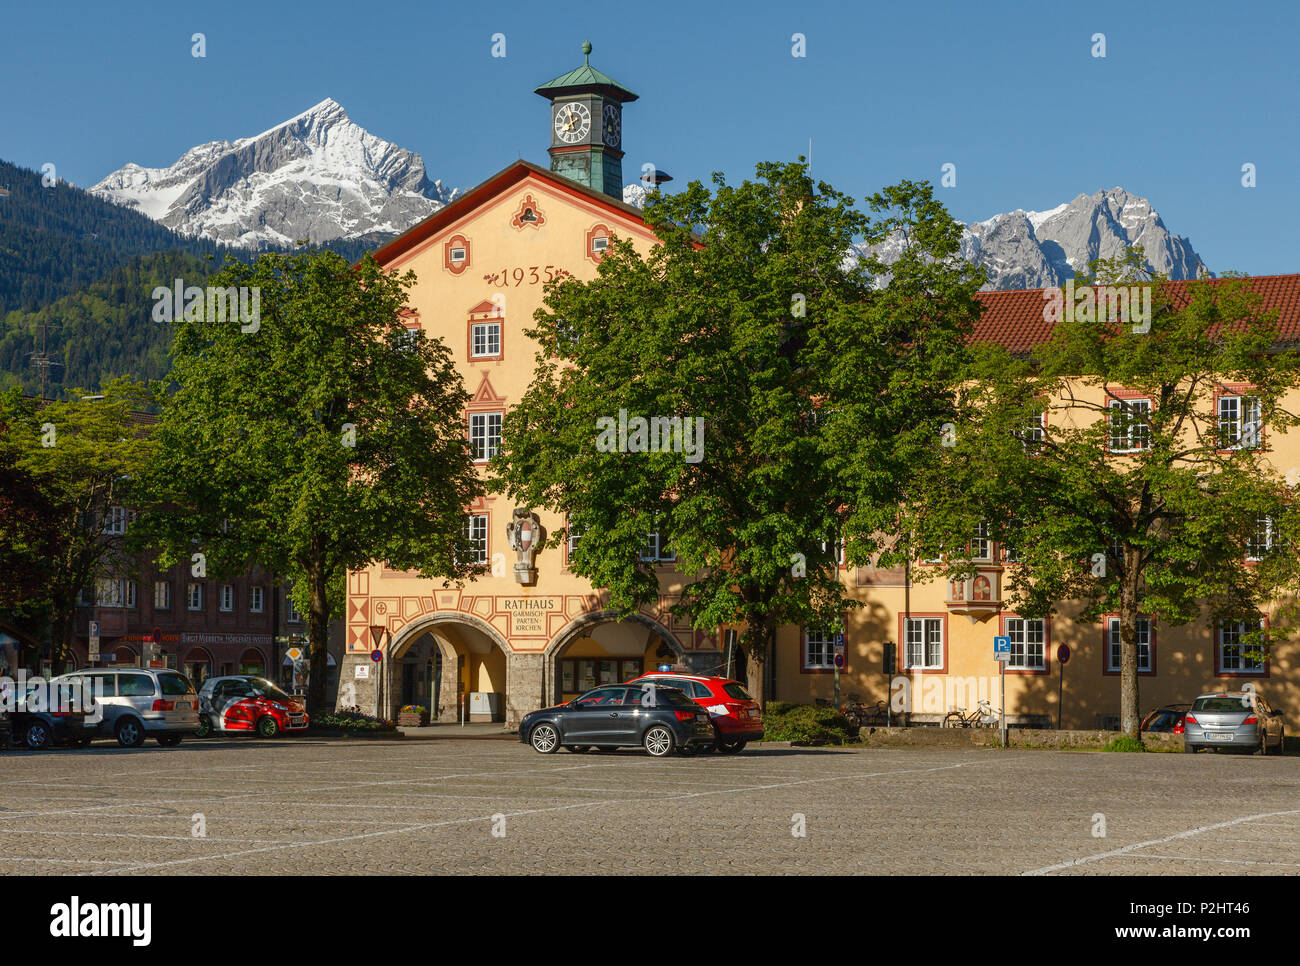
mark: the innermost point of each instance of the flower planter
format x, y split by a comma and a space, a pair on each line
412, 719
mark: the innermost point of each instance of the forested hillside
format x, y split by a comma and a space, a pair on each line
104, 330
86, 267
54, 241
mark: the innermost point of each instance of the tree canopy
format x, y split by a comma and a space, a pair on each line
1128, 463
758, 329
318, 438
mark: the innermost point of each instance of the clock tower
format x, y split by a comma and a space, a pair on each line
587, 126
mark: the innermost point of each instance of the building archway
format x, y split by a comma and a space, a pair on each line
604, 647
197, 665
441, 659
124, 654
253, 662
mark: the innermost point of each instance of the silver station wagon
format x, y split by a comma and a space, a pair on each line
140, 701
1234, 719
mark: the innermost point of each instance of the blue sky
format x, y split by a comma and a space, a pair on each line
1008, 92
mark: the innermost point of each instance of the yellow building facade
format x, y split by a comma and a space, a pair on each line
501, 646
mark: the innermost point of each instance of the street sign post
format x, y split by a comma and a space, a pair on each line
1002, 654
93, 653
838, 662
1062, 659
889, 660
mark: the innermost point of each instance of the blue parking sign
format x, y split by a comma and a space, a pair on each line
1001, 645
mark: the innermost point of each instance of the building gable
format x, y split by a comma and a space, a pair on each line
514, 187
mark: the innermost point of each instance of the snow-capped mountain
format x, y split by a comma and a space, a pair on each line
318, 176
1038, 249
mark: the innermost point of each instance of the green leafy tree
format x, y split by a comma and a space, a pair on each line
314, 440
1123, 507
76, 464
747, 316
29, 529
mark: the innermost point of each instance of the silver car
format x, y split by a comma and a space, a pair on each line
1234, 719
140, 701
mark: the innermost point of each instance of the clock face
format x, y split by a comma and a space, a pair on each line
572, 122
613, 126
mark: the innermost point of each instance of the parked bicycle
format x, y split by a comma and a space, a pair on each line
982, 717
865, 715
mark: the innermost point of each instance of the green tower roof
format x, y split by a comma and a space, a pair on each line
585, 79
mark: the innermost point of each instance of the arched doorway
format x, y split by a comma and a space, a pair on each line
602, 648
123, 654
197, 665
253, 662
453, 664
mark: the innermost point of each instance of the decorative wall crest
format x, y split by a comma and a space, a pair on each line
528, 215
524, 532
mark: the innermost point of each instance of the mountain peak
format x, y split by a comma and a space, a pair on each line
328, 110
1043, 249
318, 175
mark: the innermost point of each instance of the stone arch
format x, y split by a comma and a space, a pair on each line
587, 622
453, 657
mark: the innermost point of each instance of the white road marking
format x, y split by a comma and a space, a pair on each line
532, 811
1125, 850
1192, 858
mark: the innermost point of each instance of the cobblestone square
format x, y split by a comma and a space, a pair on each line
455, 806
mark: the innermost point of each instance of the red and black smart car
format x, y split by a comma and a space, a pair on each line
736, 717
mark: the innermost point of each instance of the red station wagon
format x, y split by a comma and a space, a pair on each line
737, 718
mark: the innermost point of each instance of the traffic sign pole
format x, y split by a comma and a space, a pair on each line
1062, 659
1002, 654
1003, 689
838, 660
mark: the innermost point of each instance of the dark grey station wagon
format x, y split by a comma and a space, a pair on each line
658, 718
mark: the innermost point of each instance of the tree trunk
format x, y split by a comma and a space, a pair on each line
1129, 704
318, 636
758, 649
62, 624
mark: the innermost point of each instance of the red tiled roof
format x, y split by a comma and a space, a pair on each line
503, 180
1014, 319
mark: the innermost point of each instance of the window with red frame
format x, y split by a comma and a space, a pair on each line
1028, 643
1143, 642
1130, 429
1234, 651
